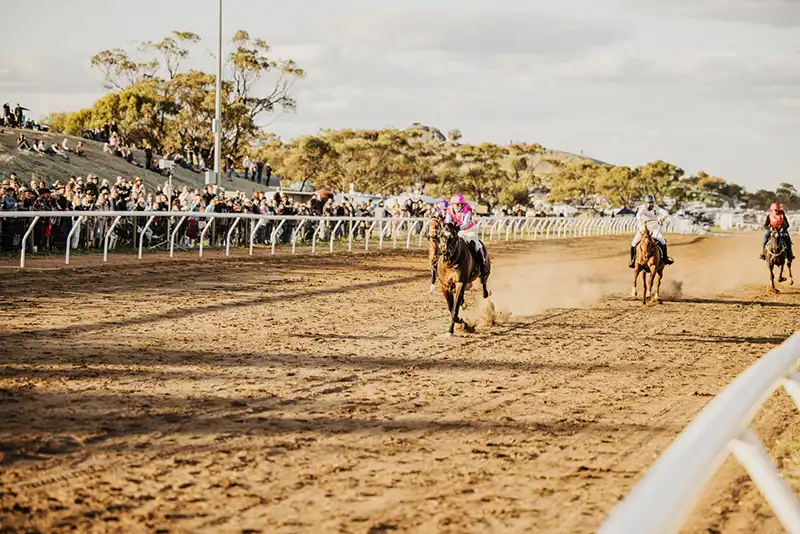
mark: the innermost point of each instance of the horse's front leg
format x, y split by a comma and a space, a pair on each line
791, 278
448, 295
434, 268
635, 278
657, 296
653, 274
782, 278
644, 286
458, 297
772, 277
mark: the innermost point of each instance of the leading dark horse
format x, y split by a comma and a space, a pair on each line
457, 268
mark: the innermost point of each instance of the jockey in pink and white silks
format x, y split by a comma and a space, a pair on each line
461, 214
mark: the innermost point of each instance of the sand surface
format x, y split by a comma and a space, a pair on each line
314, 394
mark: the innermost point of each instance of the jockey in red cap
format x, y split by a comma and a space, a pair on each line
776, 218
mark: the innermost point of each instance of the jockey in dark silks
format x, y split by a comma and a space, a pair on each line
440, 211
776, 220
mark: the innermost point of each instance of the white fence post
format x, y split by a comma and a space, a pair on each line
76, 225
333, 234
144, 231
749, 450
294, 236
174, 234
25, 241
228, 237
206, 228
660, 502
254, 230
108, 236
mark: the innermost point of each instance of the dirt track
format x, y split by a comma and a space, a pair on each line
314, 395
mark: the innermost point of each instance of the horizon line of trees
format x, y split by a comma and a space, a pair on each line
157, 101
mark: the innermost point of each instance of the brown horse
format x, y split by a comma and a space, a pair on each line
649, 259
457, 269
434, 229
776, 254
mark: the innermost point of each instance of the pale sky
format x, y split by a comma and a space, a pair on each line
704, 84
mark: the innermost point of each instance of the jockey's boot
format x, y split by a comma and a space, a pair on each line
632, 264
667, 259
482, 265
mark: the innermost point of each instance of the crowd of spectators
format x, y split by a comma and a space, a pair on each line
16, 118
94, 194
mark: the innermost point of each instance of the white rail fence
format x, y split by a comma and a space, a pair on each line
320, 229
661, 501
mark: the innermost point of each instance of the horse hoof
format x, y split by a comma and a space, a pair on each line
633, 292
432, 289
446, 335
781, 279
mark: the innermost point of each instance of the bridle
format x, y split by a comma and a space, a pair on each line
449, 249
776, 245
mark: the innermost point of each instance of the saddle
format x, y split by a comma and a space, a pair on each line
476, 255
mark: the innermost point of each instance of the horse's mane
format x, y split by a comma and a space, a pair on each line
454, 252
647, 246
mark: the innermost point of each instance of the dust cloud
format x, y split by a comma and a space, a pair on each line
571, 277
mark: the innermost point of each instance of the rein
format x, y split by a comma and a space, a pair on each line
773, 251
453, 254
650, 248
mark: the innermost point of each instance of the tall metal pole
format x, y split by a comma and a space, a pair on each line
217, 126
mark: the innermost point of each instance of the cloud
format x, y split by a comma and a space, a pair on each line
778, 13
30, 74
468, 32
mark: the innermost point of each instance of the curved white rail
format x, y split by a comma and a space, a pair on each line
661, 501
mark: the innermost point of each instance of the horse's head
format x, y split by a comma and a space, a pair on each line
774, 243
434, 229
448, 238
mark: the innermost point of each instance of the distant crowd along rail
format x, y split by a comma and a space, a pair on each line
496, 228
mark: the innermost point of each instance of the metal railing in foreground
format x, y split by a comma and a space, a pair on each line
294, 229
661, 501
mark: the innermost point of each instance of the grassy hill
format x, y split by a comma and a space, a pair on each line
94, 161
544, 165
